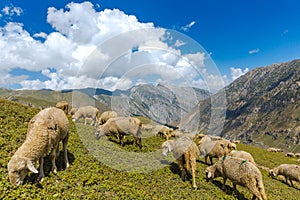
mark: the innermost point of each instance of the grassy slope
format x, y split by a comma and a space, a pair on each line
89, 178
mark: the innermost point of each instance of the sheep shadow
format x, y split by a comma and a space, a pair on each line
175, 170
60, 164
229, 190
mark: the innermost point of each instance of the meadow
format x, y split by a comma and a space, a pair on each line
102, 169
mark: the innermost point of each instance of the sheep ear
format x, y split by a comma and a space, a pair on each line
208, 174
31, 167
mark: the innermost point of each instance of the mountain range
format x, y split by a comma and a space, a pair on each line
262, 107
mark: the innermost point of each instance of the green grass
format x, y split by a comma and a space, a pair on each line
102, 169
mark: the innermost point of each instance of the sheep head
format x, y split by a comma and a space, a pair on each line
272, 173
166, 147
18, 168
212, 172
99, 133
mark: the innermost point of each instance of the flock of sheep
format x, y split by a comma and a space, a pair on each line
50, 126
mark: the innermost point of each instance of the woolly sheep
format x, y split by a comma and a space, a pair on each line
289, 171
165, 132
242, 154
273, 149
186, 152
86, 112
240, 172
106, 116
45, 130
63, 105
214, 148
290, 154
121, 126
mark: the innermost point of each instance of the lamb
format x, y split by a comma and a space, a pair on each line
289, 171
242, 154
240, 172
86, 112
186, 152
45, 130
63, 105
106, 116
214, 148
120, 127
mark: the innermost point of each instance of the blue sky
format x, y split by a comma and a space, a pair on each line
237, 35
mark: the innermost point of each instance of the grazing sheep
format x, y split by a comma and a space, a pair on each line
106, 116
240, 172
86, 112
186, 152
290, 154
214, 148
45, 130
63, 105
73, 111
165, 132
242, 154
273, 149
297, 155
289, 171
121, 126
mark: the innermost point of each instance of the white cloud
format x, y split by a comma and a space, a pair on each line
92, 48
12, 10
237, 72
188, 26
253, 51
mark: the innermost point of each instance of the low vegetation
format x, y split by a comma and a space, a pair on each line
91, 176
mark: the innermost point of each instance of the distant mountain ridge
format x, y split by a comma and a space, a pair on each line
263, 107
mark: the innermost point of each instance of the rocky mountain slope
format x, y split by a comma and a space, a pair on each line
263, 107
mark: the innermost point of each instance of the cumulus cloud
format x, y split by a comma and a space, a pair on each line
11, 11
253, 51
90, 48
237, 72
188, 26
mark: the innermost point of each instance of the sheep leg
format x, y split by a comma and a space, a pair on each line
224, 182
211, 160
206, 159
41, 173
65, 143
193, 166
85, 121
53, 157
291, 182
180, 161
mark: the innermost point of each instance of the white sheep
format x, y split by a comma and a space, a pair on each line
185, 151
106, 116
289, 171
240, 172
242, 154
86, 112
214, 147
165, 131
120, 127
45, 130
63, 105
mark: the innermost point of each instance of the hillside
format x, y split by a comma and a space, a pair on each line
263, 107
89, 178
